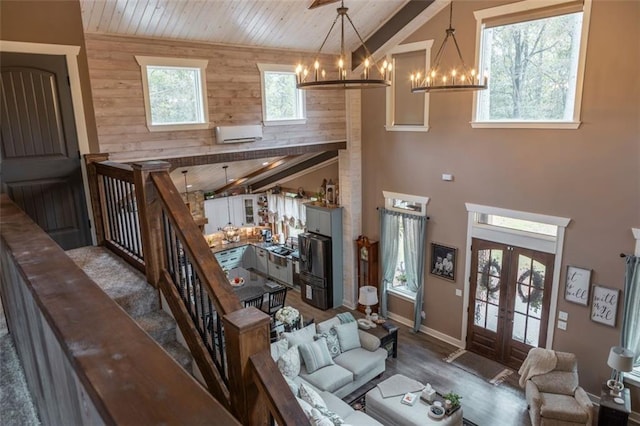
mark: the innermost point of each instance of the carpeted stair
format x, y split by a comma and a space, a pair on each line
129, 289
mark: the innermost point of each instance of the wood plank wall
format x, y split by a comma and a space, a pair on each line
234, 95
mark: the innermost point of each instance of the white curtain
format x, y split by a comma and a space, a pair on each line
630, 338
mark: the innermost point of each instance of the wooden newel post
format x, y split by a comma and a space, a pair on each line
150, 217
246, 333
96, 193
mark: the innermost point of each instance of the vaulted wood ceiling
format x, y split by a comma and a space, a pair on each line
285, 24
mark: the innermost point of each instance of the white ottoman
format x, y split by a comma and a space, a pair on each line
390, 411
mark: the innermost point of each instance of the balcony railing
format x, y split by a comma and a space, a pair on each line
229, 343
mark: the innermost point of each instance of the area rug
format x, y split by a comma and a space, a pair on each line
493, 372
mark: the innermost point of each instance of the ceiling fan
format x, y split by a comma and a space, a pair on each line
318, 3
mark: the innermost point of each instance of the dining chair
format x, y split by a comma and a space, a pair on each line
255, 302
276, 300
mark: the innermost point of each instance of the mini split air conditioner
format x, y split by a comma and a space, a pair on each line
237, 134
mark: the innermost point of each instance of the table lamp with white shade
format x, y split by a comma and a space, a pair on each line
620, 360
368, 297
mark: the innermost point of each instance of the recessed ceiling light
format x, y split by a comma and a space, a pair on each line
266, 163
189, 186
232, 180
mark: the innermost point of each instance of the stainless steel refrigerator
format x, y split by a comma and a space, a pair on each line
316, 284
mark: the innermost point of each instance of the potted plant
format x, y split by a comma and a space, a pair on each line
402, 278
453, 399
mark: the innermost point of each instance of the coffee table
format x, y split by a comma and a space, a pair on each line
392, 411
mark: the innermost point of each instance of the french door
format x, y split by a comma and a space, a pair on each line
509, 301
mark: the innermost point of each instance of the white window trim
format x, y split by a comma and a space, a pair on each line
390, 95
402, 294
145, 61
388, 204
504, 235
390, 196
301, 96
523, 6
633, 377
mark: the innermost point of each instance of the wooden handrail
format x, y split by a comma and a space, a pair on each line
87, 361
274, 388
209, 271
246, 330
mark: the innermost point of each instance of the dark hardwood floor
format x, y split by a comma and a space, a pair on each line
420, 357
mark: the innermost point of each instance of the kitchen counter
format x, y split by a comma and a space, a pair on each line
257, 243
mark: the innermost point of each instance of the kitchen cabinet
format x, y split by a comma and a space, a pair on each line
241, 209
319, 220
282, 273
232, 258
262, 260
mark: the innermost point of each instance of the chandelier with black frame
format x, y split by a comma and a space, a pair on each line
320, 80
457, 79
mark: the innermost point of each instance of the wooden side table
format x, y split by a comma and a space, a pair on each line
612, 413
388, 335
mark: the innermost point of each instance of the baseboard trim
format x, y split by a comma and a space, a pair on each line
428, 331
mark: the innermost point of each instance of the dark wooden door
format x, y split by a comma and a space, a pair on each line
509, 301
40, 157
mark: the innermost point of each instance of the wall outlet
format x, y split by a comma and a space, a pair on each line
563, 315
447, 177
562, 325
423, 315
458, 292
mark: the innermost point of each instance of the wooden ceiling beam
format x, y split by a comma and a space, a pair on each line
225, 157
397, 22
241, 180
296, 168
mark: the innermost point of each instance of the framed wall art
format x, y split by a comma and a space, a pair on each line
443, 261
604, 306
576, 287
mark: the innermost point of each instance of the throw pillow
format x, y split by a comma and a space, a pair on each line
335, 419
278, 349
315, 355
301, 336
327, 325
348, 336
306, 407
333, 344
309, 395
289, 363
295, 388
317, 419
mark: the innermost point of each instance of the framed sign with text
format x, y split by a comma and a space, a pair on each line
576, 288
604, 306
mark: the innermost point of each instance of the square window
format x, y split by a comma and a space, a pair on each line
282, 102
175, 93
535, 62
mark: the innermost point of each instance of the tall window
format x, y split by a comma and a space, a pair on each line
406, 111
534, 57
282, 102
174, 93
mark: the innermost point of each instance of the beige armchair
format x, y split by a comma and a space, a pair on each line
555, 399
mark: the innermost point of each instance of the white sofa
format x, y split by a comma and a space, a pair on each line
348, 370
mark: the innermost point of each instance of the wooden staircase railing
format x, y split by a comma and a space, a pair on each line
229, 343
85, 360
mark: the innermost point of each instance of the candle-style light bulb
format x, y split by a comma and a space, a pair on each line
304, 74
366, 68
413, 77
453, 77
298, 71
433, 74
340, 66
473, 76
316, 66
428, 81
324, 74
444, 79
